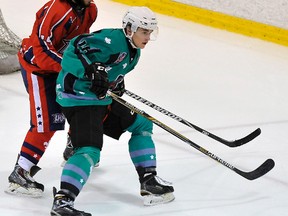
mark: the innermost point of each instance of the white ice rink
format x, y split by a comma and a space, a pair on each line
226, 83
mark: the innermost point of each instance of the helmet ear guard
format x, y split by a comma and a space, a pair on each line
141, 17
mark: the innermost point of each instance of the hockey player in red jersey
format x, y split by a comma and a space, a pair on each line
40, 56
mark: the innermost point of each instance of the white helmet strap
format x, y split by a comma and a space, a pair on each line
130, 38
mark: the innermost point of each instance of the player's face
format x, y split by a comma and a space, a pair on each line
141, 37
86, 2
83, 3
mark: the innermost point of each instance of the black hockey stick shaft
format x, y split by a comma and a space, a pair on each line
260, 171
234, 143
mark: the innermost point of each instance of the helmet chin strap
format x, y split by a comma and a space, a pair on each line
130, 39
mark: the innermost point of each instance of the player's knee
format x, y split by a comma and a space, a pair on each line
141, 126
92, 154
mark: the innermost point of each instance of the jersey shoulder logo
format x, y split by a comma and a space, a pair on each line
107, 40
120, 58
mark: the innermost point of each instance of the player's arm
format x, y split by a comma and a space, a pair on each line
48, 35
92, 13
81, 63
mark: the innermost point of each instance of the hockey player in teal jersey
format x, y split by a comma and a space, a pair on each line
92, 64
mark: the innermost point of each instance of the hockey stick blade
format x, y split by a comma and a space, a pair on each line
243, 140
260, 171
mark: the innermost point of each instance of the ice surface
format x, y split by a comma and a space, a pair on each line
223, 82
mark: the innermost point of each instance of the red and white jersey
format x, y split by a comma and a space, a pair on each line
57, 22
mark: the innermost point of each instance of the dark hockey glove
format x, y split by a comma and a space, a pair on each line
97, 73
119, 89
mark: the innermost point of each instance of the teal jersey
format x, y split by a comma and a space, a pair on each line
108, 46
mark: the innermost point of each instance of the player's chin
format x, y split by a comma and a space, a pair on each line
87, 3
142, 45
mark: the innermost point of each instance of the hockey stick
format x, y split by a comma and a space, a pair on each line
260, 171
234, 143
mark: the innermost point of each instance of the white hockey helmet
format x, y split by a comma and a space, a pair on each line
141, 17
